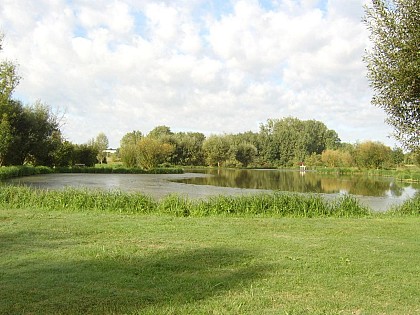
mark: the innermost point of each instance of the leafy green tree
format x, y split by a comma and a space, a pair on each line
129, 148
101, 143
370, 154
332, 140
6, 137
152, 152
161, 132
64, 152
281, 140
313, 138
393, 65
131, 138
245, 153
290, 140
85, 154
397, 156
9, 78
26, 134
188, 148
32, 128
313, 160
42, 126
216, 149
331, 158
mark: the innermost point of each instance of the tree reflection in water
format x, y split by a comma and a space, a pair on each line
294, 181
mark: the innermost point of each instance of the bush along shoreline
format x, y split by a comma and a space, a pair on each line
402, 175
260, 205
7, 172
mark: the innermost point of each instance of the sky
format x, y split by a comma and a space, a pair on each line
221, 66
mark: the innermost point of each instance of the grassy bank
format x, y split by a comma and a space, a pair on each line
28, 170
269, 205
58, 262
272, 205
19, 171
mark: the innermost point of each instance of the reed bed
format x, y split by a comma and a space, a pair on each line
17, 197
272, 205
28, 170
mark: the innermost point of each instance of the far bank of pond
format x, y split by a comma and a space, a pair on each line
376, 192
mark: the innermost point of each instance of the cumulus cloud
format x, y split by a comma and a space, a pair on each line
122, 65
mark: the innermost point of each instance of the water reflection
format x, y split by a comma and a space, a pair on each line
377, 193
308, 182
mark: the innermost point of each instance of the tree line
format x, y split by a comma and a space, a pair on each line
285, 142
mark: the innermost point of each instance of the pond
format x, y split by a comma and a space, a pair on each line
377, 193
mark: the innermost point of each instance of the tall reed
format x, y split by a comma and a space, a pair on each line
409, 207
75, 199
280, 204
276, 204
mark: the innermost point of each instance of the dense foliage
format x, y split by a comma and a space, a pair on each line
394, 65
280, 143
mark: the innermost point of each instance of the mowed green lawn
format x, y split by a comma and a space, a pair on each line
93, 263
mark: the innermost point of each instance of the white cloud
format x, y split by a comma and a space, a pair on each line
117, 66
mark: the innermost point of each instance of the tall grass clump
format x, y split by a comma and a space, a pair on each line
348, 206
175, 205
269, 205
75, 199
279, 205
409, 207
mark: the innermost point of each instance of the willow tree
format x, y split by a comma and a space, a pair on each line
393, 65
9, 78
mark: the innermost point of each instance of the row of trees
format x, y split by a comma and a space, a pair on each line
280, 142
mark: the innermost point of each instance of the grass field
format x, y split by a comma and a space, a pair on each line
63, 262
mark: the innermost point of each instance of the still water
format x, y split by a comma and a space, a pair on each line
377, 193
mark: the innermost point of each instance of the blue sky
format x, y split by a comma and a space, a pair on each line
209, 66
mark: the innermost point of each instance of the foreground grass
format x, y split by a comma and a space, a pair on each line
62, 262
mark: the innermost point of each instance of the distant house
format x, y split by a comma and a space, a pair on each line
110, 155
110, 151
